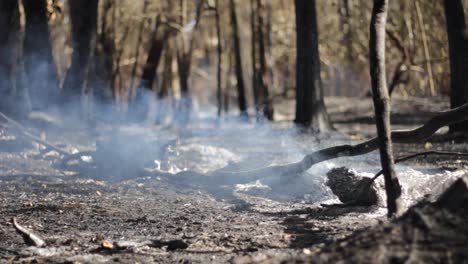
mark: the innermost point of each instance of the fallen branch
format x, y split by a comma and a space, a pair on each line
29, 237
419, 134
21, 129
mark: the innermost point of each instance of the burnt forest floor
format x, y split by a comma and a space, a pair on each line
86, 219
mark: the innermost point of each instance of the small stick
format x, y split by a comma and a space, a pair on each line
29, 237
32, 137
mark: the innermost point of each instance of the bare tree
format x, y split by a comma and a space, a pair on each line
382, 103
38, 61
310, 107
458, 50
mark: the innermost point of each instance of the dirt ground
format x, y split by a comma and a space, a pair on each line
88, 219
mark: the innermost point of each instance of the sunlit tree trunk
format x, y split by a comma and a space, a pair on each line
310, 107
382, 103
458, 50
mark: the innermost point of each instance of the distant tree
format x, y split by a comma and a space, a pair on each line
38, 60
242, 102
84, 17
310, 107
458, 50
9, 71
382, 103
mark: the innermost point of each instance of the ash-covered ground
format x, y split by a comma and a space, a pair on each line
112, 206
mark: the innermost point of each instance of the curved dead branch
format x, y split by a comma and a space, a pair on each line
419, 134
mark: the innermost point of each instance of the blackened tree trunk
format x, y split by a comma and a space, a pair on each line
158, 42
84, 16
219, 88
310, 107
458, 50
9, 39
266, 106
38, 60
382, 103
242, 102
139, 104
105, 90
138, 44
255, 83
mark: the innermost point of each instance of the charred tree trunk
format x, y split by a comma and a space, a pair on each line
255, 83
154, 57
104, 55
84, 16
458, 50
310, 107
382, 103
163, 105
167, 74
139, 103
138, 44
240, 83
219, 89
38, 60
266, 106
10, 91
185, 49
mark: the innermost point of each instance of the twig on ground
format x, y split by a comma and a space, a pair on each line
29, 237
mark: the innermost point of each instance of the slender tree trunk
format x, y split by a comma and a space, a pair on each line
10, 91
458, 50
266, 106
240, 83
84, 15
38, 61
219, 89
345, 18
255, 82
310, 107
382, 103
427, 55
